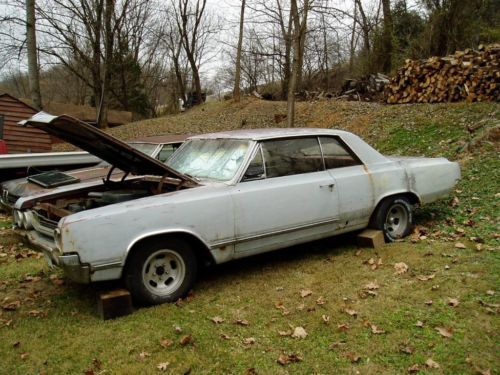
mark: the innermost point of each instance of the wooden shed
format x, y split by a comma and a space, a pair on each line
20, 139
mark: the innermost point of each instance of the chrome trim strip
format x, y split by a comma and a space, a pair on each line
272, 233
106, 266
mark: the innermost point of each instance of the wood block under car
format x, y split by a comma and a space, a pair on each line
371, 238
113, 304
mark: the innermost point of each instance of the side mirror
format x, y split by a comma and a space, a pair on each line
254, 172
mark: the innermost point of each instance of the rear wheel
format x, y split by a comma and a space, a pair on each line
160, 272
394, 217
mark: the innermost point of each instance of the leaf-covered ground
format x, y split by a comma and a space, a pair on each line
428, 304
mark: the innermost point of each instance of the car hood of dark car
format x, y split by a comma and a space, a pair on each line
108, 148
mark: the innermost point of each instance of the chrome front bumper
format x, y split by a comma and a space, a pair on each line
70, 263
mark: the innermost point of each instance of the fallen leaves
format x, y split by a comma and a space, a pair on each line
445, 332
376, 330
305, 293
343, 327
400, 268
460, 245
163, 366
166, 342
453, 302
414, 369
426, 278
299, 333
11, 306
353, 357
186, 339
431, 364
372, 285
143, 355
320, 301
351, 312
325, 318
217, 320
249, 341
285, 359
419, 324
241, 322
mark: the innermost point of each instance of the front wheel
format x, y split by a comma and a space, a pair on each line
394, 217
160, 272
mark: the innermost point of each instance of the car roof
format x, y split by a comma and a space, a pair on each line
160, 139
269, 133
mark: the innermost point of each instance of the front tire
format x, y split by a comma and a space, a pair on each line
161, 271
394, 217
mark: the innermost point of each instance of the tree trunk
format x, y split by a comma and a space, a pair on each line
352, 46
387, 36
237, 73
33, 71
102, 118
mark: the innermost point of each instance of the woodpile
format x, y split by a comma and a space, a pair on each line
367, 88
471, 75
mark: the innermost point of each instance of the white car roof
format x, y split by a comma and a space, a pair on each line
267, 133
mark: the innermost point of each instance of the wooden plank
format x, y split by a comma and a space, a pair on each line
371, 238
113, 304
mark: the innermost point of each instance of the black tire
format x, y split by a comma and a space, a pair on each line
160, 271
398, 225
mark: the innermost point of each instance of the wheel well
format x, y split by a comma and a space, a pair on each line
200, 249
412, 197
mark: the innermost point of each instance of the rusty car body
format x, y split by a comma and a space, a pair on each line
224, 196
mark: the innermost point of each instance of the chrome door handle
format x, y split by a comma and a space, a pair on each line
330, 186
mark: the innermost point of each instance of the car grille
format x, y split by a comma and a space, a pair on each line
8, 198
44, 225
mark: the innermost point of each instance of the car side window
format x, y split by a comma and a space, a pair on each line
287, 157
255, 170
166, 151
336, 155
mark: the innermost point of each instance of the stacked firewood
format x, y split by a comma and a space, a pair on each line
471, 75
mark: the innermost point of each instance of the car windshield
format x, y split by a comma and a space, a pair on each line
146, 148
212, 159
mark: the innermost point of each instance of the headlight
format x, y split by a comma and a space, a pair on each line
18, 218
28, 220
57, 238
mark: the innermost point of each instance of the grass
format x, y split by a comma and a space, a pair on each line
56, 330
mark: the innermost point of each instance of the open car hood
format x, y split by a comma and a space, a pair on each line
102, 145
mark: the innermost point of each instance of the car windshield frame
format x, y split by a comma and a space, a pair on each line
139, 147
201, 167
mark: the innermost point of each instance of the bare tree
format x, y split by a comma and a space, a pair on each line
299, 31
31, 46
237, 74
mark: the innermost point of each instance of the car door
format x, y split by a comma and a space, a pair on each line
285, 197
353, 181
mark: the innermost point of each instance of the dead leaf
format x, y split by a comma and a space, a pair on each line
217, 320
400, 268
376, 330
305, 293
453, 302
249, 341
166, 342
354, 358
241, 322
483, 372
407, 350
285, 359
337, 344
301, 307
187, 339
37, 313
325, 318
351, 312
16, 344
177, 329
372, 285
445, 332
299, 333
343, 327
428, 302
490, 292
460, 245
163, 366
224, 336
455, 202
426, 278
419, 324
285, 333
144, 355
11, 306
279, 288
431, 364
251, 371
414, 369
320, 301
24, 356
